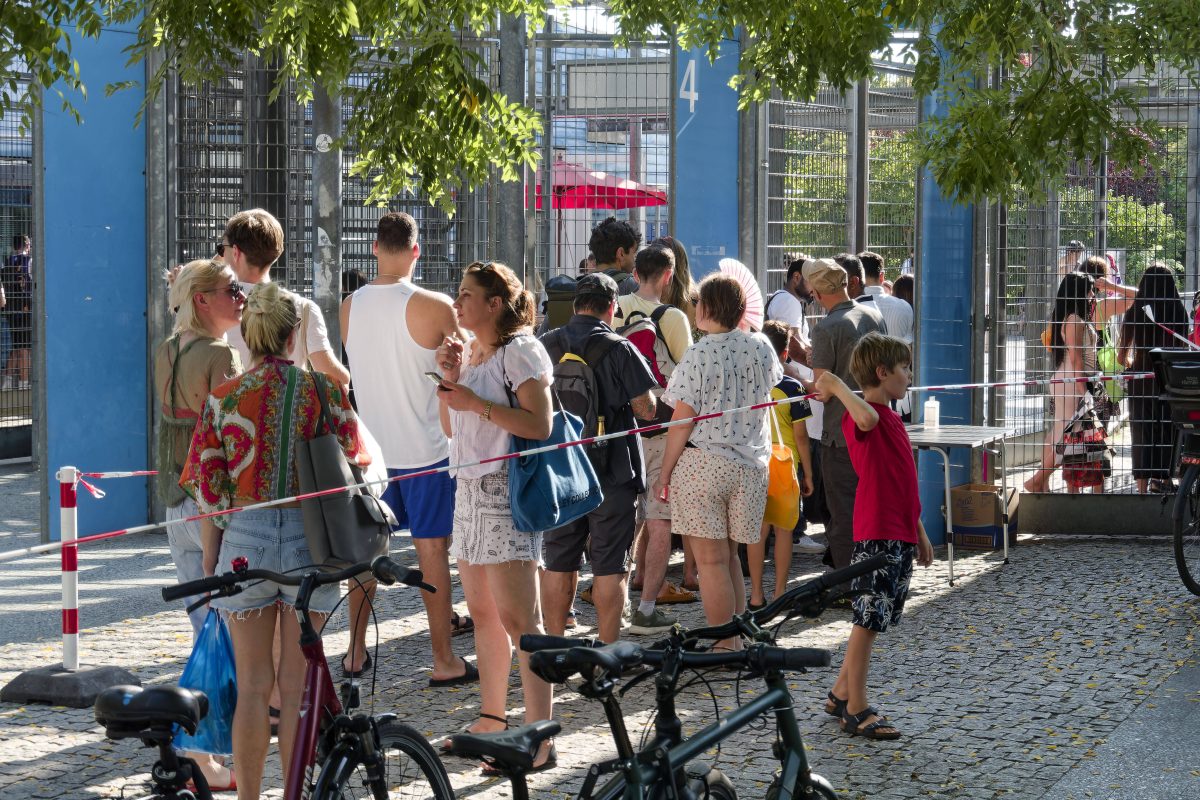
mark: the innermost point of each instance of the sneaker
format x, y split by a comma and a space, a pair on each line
807, 544
647, 624
673, 594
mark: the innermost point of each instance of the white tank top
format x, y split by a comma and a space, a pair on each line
387, 370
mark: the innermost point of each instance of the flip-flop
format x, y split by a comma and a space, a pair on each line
356, 673
470, 675
460, 624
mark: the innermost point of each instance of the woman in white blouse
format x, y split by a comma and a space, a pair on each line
714, 472
498, 563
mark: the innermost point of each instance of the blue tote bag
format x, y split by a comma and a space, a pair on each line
551, 489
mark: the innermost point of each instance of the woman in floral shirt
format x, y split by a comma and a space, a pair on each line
242, 454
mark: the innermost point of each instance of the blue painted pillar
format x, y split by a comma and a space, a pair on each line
94, 204
945, 288
706, 157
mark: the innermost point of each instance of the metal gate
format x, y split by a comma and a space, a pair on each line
1129, 221
233, 148
818, 184
18, 271
604, 110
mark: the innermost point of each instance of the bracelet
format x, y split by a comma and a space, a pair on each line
487, 411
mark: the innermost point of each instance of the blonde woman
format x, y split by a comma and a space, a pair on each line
206, 300
681, 291
498, 563
241, 455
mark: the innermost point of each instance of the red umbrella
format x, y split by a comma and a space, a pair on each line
576, 186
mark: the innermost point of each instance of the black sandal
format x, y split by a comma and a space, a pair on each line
839, 705
851, 723
447, 744
461, 624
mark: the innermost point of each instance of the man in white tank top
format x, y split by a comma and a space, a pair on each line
391, 330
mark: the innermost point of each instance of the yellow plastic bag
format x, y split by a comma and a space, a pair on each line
783, 488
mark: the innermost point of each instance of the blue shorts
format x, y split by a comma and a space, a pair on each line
424, 505
272, 539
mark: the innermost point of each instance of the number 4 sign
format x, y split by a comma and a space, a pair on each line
687, 89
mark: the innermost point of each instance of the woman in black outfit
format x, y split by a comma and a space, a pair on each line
1150, 424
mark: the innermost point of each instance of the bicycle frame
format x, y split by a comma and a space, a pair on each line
318, 703
642, 774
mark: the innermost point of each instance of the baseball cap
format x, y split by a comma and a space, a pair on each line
596, 283
825, 275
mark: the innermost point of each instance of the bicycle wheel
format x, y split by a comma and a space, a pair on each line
411, 770
817, 787
1187, 530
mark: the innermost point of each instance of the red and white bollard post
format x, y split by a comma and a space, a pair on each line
68, 684
69, 523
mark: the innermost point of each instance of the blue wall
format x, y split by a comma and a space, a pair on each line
95, 285
706, 157
945, 286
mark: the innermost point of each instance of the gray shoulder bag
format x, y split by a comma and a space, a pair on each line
342, 528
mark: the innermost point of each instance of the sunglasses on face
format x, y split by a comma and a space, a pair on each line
221, 249
234, 290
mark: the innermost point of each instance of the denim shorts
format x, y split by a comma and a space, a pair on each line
271, 539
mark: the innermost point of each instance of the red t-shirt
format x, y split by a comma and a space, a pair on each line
887, 505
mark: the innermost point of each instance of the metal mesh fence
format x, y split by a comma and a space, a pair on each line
18, 270
807, 180
606, 118
891, 189
236, 149
1126, 223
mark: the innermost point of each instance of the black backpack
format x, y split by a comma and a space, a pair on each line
626, 282
577, 391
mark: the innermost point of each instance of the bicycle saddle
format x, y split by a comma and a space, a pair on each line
556, 666
512, 750
131, 711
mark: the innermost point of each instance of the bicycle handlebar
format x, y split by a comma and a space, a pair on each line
806, 592
558, 665
385, 570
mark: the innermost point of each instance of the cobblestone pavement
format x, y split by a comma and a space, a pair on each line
1001, 683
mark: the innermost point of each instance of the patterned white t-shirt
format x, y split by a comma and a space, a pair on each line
723, 371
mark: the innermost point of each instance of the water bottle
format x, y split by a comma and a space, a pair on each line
933, 412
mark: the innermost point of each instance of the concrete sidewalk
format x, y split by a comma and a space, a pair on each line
1068, 673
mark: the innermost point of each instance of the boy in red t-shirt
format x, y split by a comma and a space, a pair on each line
887, 516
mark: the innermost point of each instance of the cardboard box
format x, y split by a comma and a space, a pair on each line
979, 518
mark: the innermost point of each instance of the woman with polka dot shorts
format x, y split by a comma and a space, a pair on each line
714, 472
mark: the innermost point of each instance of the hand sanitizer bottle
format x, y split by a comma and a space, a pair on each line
933, 412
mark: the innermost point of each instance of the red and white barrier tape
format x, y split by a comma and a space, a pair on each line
11, 554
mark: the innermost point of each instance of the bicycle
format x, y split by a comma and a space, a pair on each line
1178, 373
377, 754
667, 769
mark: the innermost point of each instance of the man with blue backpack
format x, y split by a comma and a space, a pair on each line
602, 378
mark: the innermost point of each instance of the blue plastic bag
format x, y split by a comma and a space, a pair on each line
210, 669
